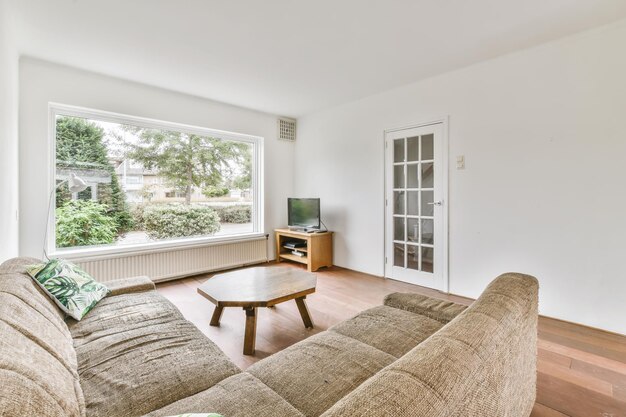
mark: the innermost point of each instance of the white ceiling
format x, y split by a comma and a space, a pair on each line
292, 57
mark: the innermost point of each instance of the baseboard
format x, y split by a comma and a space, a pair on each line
470, 300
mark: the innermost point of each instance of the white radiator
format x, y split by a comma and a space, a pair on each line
178, 262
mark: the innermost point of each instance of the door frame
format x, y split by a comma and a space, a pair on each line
444, 121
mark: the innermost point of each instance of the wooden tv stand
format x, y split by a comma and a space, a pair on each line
318, 251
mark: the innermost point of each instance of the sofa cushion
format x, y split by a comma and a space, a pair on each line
389, 329
314, 374
38, 369
136, 353
440, 310
241, 395
199, 415
130, 285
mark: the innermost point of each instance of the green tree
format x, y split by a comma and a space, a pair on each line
243, 181
80, 146
213, 191
186, 161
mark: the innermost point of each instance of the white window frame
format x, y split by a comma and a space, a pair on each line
77, 253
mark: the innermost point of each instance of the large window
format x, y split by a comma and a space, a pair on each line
146, 182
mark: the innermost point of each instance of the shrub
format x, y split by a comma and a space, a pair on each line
235, 214
213, 191
136, 212
168, 221
124, 219
83, 223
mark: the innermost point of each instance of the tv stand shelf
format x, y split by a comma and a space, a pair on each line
318, 251
302, 249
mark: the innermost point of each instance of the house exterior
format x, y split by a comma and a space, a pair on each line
145, 186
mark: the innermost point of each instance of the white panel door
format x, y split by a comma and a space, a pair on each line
415, 207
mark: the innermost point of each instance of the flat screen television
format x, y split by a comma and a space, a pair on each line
304, 213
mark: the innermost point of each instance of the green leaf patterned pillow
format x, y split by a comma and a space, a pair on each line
74, 290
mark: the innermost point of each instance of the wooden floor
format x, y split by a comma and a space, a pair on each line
581, 371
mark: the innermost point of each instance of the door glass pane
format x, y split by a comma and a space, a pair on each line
428, 175
412, 207
427, 259
398, 254
412, 149
398, 202
398, 176
398, 228
398, 150
412, 178
412, 256
412, 230
427, 203
413, 211
427, 231
427, 147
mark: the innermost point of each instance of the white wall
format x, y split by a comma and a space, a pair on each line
43, 82
544, 189
8, 137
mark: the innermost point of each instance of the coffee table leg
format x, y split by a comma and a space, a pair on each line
304, 312
250, 335
217, 315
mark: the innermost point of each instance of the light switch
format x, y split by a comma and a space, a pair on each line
460, 162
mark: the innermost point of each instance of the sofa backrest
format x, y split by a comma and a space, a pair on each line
38, 368
482, 363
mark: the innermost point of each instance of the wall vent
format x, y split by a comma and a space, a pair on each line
286, 129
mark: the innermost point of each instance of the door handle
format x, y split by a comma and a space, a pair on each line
436, 203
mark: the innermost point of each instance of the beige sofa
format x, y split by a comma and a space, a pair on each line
135, 354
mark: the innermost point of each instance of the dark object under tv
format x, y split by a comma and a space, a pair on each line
295, 244
304, 213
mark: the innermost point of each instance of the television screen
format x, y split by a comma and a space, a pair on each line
304, 212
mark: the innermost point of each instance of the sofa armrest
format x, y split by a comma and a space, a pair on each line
130, 285
483, 363
17, 265
440, 310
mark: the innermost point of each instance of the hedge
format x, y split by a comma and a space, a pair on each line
234, 214
169, 221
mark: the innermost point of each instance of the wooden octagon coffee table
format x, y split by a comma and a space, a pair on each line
258, 287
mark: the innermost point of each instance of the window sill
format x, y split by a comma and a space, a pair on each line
100, 253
